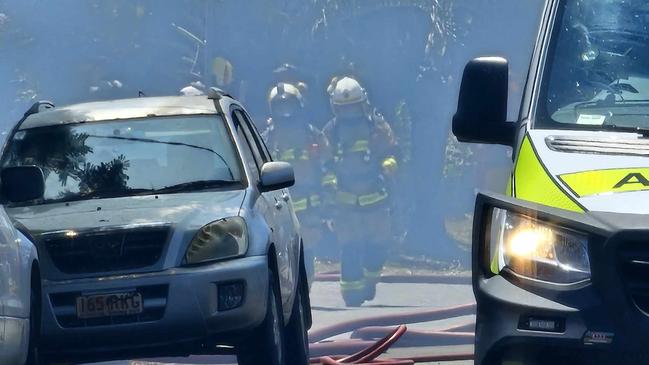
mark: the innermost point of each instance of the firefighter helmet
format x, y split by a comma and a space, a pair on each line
193, 89
285, 101
288, 73
348, 98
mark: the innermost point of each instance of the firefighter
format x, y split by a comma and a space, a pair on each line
292, 139
362, 160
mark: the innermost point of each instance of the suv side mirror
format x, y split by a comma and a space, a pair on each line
22, 183
276, 176
481, 115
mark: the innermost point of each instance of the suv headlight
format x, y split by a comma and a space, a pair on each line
223, 239
536, 249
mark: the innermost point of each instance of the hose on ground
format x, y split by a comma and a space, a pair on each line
417, 338
406, 279
392, 320
370, 354
375, 326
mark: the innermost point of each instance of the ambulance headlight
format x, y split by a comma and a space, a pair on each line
536, 250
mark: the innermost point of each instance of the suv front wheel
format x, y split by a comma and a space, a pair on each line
266, 343
297, 338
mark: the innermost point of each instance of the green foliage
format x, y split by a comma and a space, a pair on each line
105, 177
403, 129
440, 11
60, 151
458, 157
55, 150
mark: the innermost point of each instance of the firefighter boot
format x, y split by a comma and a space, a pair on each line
352, 281
373, 262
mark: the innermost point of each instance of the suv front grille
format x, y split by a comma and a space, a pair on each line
107, 251
154, 298
634, 268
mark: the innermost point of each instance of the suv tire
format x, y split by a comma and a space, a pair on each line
266, 343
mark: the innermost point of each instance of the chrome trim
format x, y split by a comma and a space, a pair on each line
598, 145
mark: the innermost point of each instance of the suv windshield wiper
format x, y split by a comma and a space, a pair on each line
197, 185
186, 186
148, 140
98, 194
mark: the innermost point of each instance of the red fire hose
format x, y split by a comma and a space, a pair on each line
467, 327
417, 338
370, 354
392, 320
364, 329
406, 279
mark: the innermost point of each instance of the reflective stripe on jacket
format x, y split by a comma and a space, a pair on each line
363, 200
302, 204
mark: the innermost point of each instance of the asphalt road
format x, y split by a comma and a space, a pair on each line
328, 308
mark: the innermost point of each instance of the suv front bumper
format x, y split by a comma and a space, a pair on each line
181, 307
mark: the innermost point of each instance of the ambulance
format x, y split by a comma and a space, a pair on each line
561, 260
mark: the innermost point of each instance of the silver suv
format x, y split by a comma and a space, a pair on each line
164, 227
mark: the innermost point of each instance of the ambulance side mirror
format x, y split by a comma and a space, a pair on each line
481, 115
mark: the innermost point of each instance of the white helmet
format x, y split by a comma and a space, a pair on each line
348, 98
285, 100
190, 91
193, 89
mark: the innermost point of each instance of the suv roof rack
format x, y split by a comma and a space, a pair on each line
214, 93
38, 107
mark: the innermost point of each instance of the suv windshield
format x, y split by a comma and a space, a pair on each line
598, 75
127, 157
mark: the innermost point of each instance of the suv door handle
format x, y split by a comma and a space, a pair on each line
278, 204
286, 196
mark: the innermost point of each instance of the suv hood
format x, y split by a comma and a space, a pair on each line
584, 171
190, 210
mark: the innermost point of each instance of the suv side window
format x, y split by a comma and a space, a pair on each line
250, 157
261, 145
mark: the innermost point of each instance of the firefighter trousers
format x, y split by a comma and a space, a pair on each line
363, 234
